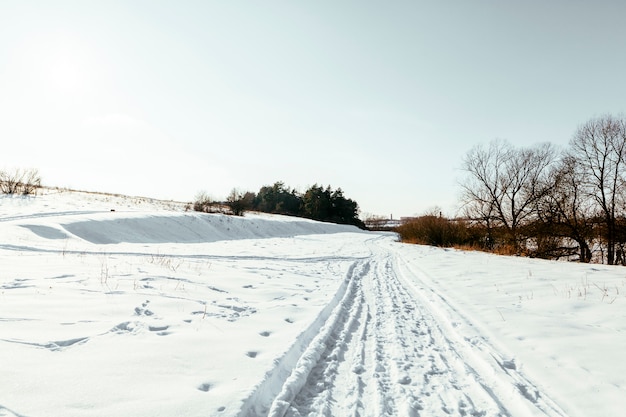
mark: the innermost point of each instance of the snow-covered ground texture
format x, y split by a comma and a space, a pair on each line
149, 310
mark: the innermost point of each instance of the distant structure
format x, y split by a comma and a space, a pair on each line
392, 223
381, 223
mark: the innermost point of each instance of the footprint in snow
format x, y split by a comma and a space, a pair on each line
252, 354
359, 369
265, 334
126, 327
289, 320
509, 364
143, 311
204, 387
160, 330
404, 380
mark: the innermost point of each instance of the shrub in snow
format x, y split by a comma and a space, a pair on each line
20, 181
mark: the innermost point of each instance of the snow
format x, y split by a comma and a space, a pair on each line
114, 305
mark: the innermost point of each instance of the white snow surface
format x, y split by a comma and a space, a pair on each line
149, 310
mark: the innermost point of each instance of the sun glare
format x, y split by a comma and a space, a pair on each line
65, 70
60, 63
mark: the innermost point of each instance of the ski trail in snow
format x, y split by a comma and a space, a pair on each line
287, 378
383, 352
383, 359
498, 373
338, 364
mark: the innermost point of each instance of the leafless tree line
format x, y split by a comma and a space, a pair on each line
19, 181
553, 203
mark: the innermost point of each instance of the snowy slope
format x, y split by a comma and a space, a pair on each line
562, 324
149, 310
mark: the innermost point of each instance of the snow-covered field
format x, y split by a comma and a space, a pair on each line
149, 310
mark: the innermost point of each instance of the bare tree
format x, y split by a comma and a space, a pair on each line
504, 185
599, 146
239, 202
482, 188
565, 212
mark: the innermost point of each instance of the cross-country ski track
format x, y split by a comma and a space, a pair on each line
389, 349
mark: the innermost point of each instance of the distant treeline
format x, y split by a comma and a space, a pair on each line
540, 201
317, 203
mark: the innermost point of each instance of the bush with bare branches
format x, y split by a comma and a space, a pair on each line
437, 230
20, 181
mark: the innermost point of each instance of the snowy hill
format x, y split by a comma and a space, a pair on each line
113, 305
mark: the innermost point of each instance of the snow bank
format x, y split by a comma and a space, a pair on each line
112, 228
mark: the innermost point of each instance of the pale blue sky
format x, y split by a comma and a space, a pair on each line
382, 99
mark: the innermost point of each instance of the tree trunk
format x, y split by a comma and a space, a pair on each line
585, 253
610, 242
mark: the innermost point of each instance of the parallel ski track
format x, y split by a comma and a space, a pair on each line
385, 354
499, 374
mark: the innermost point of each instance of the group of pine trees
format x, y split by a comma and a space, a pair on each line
317, 203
